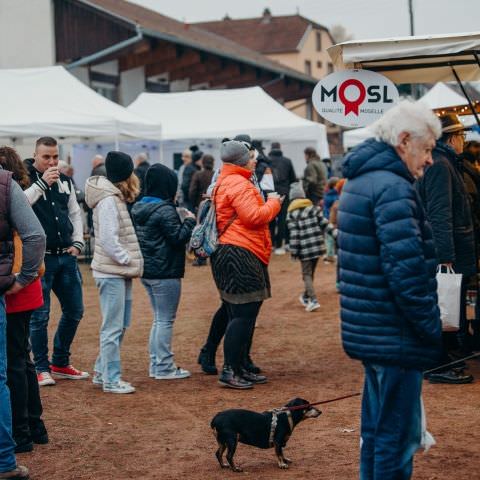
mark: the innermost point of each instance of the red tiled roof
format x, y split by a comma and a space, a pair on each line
161, 26
272, 35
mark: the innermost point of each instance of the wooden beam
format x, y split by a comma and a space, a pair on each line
163, 52
186, 60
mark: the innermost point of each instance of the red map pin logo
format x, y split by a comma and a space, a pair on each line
349, 105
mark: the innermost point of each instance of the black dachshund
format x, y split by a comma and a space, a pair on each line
262, 430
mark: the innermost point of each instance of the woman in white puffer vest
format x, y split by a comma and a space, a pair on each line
116, 260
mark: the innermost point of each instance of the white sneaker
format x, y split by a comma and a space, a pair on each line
174, 375
97, 378
44, 379
119, 387
280, 251
312, 305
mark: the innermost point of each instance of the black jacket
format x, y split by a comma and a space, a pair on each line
162, 238
283, 172
472, 184
446, 202
188, 173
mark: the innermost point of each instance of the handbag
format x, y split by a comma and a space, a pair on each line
204, 238
18, 256
449, 289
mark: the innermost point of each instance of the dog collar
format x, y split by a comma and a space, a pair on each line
275, 413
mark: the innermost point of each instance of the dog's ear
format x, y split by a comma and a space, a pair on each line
296, 402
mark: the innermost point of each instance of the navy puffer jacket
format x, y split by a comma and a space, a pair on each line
387, 263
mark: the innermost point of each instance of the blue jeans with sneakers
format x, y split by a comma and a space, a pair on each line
116, 306
164, 296
7, 445
391, 422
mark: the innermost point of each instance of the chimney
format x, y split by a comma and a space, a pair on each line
226, 17
267, 16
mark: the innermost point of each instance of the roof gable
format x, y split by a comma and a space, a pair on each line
265, 35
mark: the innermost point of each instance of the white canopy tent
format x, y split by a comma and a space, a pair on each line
209, 115
51, 101
417, 59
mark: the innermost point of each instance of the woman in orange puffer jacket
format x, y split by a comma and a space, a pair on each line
239, 264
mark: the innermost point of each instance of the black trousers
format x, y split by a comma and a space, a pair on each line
278, 226
22, 380
239, 333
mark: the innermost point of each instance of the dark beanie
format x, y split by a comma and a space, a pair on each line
119, 166
161, 182
197, 155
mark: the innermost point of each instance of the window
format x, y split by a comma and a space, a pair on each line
319, 42
107, 91
330, 67
319, 64
308, 67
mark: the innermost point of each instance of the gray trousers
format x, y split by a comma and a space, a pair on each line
308, 272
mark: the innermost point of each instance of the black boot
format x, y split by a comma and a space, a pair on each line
230, 379
207, 361
249, 366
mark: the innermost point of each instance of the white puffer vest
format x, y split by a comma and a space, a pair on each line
98, 188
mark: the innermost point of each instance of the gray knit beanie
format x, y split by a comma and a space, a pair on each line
235, 152
296, 191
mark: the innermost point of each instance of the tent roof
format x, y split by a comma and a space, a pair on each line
421, 59
213, 114
442, 96
51, 101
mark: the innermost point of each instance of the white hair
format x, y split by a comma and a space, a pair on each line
407, 116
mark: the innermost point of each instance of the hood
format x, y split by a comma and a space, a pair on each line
305, 212
299, 203
97, 188
231, 169
143, 209
373, 155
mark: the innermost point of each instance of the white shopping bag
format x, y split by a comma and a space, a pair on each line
427, 439
449, 296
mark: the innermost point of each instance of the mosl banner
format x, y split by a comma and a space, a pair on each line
354, 98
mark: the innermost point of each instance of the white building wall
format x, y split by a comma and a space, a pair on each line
132, 84
27, 34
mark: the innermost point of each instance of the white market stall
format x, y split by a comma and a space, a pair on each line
50, 101
205, 117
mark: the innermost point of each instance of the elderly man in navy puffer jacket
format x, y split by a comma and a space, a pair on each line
390, 318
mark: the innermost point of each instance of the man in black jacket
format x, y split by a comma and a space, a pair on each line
446, 202
141, 167
283, 177
53, 200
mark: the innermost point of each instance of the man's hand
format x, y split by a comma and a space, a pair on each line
73, 251
51, 175
15, 288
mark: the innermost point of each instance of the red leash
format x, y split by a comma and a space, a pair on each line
307, 405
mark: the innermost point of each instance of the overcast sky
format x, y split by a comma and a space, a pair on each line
362, 18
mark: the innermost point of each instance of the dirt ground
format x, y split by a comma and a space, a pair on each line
162, 431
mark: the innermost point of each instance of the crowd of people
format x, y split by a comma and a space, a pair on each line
409, 203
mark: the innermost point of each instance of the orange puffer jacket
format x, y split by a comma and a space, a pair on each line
235, 194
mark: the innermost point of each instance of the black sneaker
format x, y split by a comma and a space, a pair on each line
253, 377
249, 366
24, 447
206, 360
230, 379
450, 377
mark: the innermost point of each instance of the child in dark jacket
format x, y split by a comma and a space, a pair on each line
162, 237
306, 225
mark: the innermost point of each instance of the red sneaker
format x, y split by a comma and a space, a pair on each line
69, 372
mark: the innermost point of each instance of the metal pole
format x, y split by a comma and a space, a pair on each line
472, 107
410, 11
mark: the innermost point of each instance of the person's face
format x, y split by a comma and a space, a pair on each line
416, 152
252, 161
457, 141
186, 158
45, 157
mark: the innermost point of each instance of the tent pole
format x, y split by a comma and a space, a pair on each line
472, 107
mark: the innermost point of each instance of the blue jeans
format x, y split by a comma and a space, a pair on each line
63, 277
164, 296
391, 422
116, 305
7, 445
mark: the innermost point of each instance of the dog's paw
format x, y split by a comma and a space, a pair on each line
283, 465
287, 460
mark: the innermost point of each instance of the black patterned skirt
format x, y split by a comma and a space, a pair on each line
239, 275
